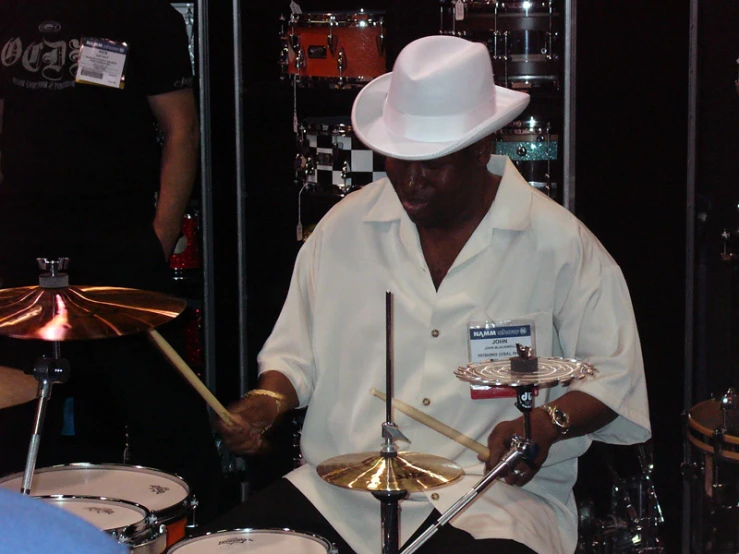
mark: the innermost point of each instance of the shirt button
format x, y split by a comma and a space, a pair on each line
435, 333
426, 402
435, 496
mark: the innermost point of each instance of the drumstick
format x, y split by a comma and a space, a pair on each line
436, 425
181, 366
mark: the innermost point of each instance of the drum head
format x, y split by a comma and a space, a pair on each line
159, 492
264, 541
125, 520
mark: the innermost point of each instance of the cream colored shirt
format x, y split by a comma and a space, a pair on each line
529, 258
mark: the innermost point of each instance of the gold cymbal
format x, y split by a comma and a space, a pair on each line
370, 471
16, 387
83, 312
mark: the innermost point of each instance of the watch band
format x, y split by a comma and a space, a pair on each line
280, 398
559, 418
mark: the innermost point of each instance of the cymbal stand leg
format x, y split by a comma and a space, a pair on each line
47, 371
520, 448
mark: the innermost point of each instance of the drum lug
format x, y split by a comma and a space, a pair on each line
341, 65
299, 59
332, 40
380, 41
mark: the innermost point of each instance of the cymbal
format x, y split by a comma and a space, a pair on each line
370, 471
550, 372
16, 387
83, 312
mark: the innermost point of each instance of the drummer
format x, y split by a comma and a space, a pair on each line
465, 244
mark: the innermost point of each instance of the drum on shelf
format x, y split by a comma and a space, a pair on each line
129, 523
266, 541
331, 161
533, 146
166, 496
522, 36
712, 430
342, 48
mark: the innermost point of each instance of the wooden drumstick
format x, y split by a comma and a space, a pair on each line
181, 366
436, 425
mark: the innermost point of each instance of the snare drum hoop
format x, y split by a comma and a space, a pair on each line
125, 534
164, 515
329, 548
339, 18
707, 444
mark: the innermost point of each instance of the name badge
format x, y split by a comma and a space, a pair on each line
496, 340
102, 62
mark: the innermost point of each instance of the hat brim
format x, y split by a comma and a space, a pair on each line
368, 126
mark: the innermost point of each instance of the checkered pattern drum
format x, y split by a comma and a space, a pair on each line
331, 160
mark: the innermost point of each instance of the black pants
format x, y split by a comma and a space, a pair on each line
281, 505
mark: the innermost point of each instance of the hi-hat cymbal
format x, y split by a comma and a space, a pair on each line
16, 387
83, 312
407, 471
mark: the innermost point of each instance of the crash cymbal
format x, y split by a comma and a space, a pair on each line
549, 372
370, 471
16, 387
83, 312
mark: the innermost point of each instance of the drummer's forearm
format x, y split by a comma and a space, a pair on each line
277, 382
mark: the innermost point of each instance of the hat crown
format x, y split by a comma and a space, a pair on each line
441, 75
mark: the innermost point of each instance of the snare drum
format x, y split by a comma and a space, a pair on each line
127, 522
267, 541
534, 148
342, 48
331, 160
166, 496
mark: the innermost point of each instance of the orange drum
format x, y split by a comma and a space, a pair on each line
342, 48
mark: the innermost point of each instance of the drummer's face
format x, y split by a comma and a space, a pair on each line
441, 192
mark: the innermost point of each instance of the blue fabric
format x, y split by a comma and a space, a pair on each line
30, 526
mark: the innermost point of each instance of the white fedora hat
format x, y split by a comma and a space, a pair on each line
439, 98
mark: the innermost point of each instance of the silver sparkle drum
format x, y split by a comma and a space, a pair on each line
264, 541
533, 146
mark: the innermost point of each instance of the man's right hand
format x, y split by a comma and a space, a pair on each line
253, 415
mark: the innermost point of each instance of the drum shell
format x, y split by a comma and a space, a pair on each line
166, 496
134, 527
359, 35
534, 149
268, 541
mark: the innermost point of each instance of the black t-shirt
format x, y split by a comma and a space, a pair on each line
65, 143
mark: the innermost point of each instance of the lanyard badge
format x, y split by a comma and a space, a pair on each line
102, 62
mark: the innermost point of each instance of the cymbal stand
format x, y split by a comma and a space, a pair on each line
522, 448
47, 372
390, 511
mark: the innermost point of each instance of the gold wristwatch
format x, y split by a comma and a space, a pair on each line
559, 418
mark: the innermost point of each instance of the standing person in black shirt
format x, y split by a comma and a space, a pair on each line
84, 85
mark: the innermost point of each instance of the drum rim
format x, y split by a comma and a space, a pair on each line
165, 515
331, 549
345, 14
124, 534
